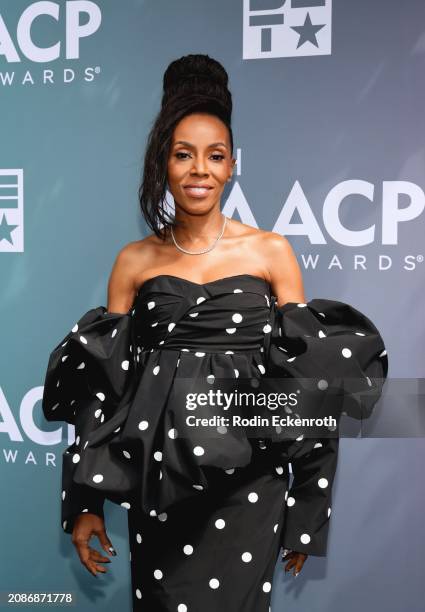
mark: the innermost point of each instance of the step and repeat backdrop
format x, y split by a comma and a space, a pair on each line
329, 137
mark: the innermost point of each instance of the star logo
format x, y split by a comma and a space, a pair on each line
307, 31
295, 28
6, 229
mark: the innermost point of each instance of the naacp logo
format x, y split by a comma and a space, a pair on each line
26, 49
286, 28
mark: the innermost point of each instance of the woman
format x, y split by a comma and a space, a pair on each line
206, 301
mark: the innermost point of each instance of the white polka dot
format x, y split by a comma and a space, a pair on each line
275, 528
126, 505
193, 314
125, 364
220, 523
329, 512
237, 317
237, 291
157, 455
253, 497
301, 305
214, 583
138, 538
101, 396
76, 458
305, 538
182, 608
230, 471
77, 440
323, 483
171, 326
318, 445
246, 557
158, 574
172, 433
290, 501
210, 378
151, 305
63, 494
200, 299
199, 354
64, 524
188, 549
322, 384
138, 594
198, 487
267, 328
97, 478
75, 328
236, 372
83, 340
267, 587
198, 451
262, 368
126, 454
143, 425
163, 516
230, 330
156, 370
152, 512
279, 469
346, 352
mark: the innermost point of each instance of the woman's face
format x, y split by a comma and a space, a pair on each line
199, 155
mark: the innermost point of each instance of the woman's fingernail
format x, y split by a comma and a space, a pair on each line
112, 550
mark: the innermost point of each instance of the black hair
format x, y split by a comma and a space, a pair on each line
192, 83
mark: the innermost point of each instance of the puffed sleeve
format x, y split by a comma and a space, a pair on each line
309, 500
338, 359
87, 374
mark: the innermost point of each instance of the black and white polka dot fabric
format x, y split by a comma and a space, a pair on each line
207, 511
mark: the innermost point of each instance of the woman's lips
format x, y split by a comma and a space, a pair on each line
197, 192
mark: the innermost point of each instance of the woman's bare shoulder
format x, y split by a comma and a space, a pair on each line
144, 247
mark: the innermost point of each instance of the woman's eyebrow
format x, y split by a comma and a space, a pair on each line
188, 144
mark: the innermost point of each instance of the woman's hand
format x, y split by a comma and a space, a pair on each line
86, 525
295, 560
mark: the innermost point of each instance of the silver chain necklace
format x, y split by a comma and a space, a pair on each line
203, 250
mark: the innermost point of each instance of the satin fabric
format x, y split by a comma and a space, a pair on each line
121, 379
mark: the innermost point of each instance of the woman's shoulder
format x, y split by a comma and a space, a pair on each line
138, 250
266, 237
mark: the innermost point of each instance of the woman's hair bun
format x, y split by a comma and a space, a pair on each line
197, 74
194, 67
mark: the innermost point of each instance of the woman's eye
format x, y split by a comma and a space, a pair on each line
181, 153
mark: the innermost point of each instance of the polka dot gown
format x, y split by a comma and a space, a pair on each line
208, 509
